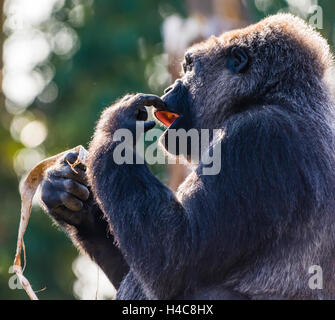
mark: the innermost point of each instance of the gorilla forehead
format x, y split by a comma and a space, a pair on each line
283, 32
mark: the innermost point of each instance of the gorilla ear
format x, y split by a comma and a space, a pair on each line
237, 60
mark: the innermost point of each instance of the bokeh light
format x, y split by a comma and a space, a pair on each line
91, 281
33, 33
33, 134
25, 159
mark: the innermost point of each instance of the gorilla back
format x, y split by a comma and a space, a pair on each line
257, 228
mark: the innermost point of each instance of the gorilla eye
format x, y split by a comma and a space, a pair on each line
188, 63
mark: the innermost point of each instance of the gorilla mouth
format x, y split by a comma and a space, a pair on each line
166, 117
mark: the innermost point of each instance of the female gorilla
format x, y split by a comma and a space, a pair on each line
254, 229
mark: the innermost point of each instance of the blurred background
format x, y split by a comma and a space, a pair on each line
62, 62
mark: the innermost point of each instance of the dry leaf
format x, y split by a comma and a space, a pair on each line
27, 191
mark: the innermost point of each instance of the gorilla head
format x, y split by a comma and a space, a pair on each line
263, 64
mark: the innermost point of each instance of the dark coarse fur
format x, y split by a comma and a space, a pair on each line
253, 230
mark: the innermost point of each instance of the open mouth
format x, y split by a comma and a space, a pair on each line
166, 117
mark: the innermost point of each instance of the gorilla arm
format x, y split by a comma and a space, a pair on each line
150, 225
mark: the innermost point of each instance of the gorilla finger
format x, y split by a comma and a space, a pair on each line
67, 172
71, 202
148, 125
141, 114
71, 158
74, 188
149, 100
68, 185
50, 196
66, 215
79, 176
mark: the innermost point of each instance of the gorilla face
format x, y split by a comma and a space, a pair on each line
178, 98
200, 97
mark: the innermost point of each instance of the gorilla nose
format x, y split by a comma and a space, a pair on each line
175, 87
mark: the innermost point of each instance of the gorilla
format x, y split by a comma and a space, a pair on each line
252, 231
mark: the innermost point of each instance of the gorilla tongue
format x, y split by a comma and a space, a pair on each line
166, 117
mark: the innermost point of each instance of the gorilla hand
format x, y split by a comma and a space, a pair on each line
68, 200
65, 192
124, 113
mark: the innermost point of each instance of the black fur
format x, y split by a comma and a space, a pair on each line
256, 227
253, 230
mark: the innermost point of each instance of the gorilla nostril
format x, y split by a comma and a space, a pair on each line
168, 89
176, 86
